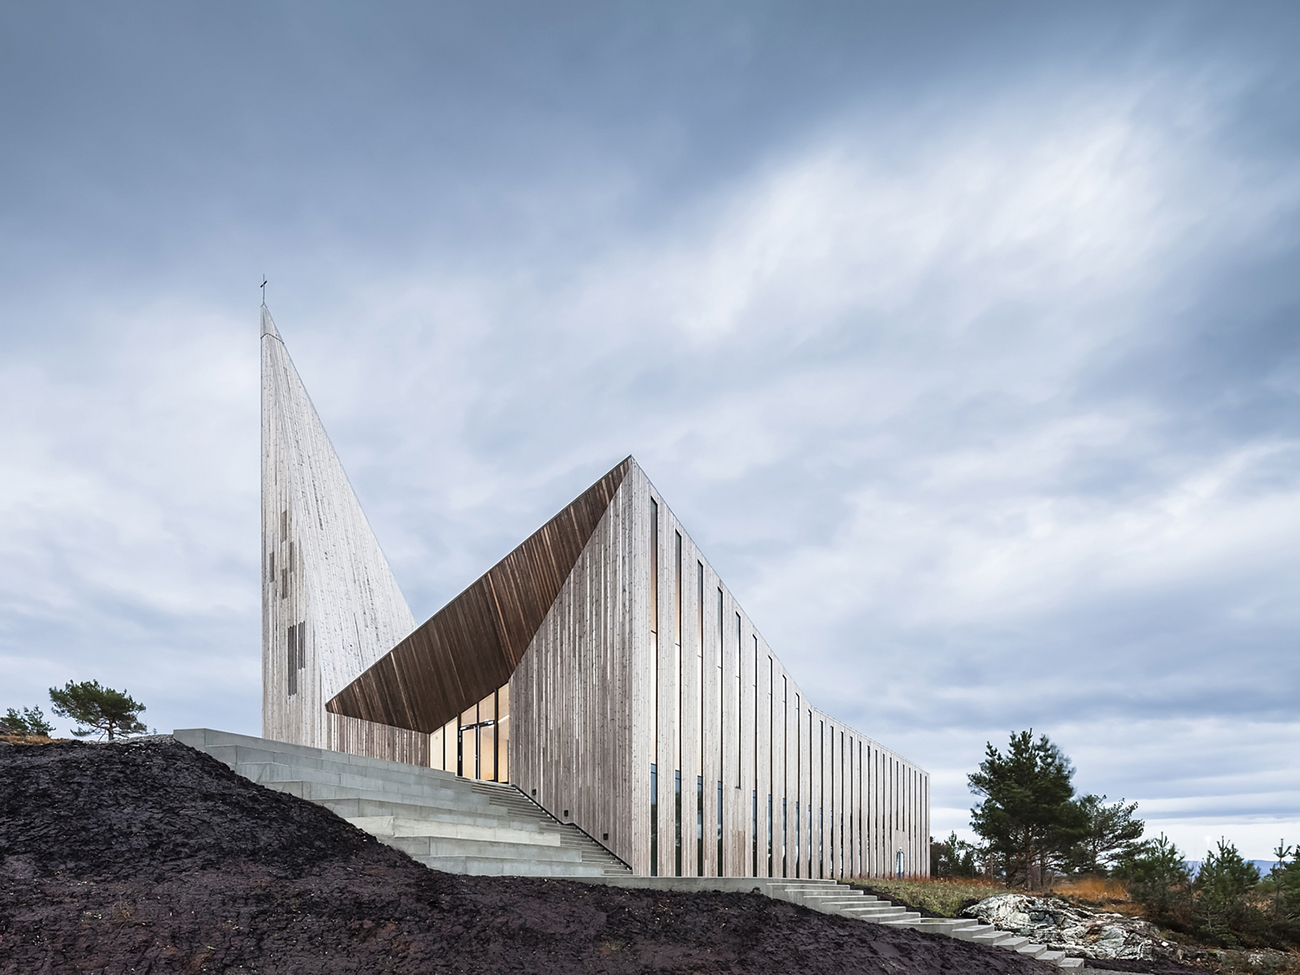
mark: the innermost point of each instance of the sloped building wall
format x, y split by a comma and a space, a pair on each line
330, 604
650, 708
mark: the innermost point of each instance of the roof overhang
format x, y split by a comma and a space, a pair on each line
472, 645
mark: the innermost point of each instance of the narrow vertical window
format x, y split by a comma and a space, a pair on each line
848, 812
680, 715
679, 718
677, 588
740, 726
821, 806
654, 681
769, 834
798, 778
831, 803
654, 820
797, 843
720, 864
785, 763
753, 822
699, 713
654, 624
677, 821
784, 827
755, 688
699, 825
291, 658
811, 792
771, 751
862, 802
722, 724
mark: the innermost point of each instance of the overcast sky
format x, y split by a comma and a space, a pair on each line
963, 338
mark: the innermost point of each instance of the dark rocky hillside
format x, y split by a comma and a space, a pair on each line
148, 856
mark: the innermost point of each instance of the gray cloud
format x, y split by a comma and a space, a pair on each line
966, 346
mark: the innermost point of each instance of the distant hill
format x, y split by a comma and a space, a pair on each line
1264, 866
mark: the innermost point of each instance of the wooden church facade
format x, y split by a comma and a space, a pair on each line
602, 667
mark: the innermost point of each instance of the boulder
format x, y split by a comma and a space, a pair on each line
1077, 931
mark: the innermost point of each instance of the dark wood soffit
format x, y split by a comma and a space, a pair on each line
472, 645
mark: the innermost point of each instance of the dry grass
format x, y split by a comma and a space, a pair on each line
1103, 893
28, 740
944, 896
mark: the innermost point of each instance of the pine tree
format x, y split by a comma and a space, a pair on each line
1110, 832
1158, 877
1223, 887
1028, 817
30, 722
98, 709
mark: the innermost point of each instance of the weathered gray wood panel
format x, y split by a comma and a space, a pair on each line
330, 604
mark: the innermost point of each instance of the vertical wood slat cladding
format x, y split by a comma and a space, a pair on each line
844, 808
323, 575
572, 699
474, 644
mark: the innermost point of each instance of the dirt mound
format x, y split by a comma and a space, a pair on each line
151, 857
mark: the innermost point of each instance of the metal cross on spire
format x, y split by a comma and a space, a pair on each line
264, 289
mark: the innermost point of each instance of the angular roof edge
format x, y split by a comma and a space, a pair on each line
472, 645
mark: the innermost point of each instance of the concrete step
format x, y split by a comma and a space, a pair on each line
419, 847
402, 826
425, 793
356, 807
939, 925
970, 929
434, 793
886, 915
1070, 963
903, 919
507, 867
380, 805
237, 755
992, 936
1032, 950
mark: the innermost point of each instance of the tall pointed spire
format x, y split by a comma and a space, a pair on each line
330, 604
268, 324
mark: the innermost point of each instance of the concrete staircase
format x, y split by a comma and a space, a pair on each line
440, 819
832, 897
